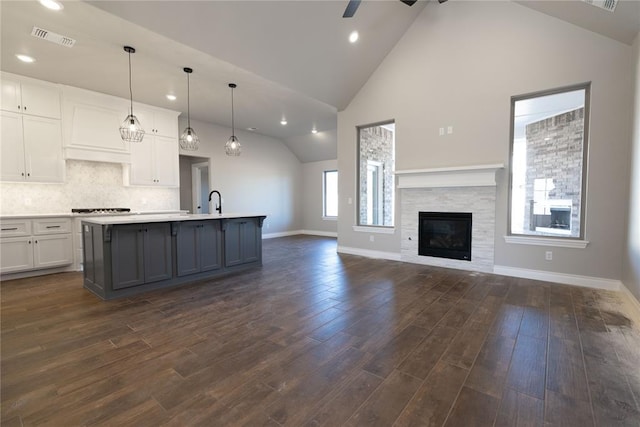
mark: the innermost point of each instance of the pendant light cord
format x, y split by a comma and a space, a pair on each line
188, 103
233, 127
130, 91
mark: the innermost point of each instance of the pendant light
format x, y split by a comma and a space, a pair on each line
232, 147
189, 140
130, 129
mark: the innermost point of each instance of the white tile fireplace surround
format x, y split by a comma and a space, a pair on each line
462, 189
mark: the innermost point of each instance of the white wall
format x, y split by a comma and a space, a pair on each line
458, 65
631, 270
265, 178
312, 197
87, 185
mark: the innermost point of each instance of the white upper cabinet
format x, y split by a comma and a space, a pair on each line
29, 96
31, 148
157, 121
154, 162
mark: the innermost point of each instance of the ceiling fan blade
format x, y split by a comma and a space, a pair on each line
351, 8
409, 2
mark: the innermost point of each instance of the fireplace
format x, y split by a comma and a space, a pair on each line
445, 235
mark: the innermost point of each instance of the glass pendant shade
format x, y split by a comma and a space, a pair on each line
189, 141
130, 129
233, 147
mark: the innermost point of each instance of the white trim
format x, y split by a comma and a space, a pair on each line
378, 230
369, 253
320, 233
329, 218
457, 176
281, 234
547, 241
632, 298
567, 279
298, 232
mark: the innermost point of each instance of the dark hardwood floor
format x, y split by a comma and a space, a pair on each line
314, 338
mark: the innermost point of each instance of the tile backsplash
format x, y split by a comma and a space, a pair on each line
87, 185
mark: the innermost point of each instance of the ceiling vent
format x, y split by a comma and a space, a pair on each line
47, 35
609, 5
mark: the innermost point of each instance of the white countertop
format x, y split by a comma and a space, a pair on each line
89, 215
138, 219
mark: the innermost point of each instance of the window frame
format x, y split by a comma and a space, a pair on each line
553, 240
372, 227
324, 194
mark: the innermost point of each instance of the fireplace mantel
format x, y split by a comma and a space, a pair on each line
456, 176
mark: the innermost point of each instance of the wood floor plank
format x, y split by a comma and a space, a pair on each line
490, 369
473, 409
387, 401
528, 366
520, 410
432, 402
314, 338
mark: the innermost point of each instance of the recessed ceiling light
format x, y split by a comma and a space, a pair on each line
353, 37
252, 129
51, 4
283, 122
314, 130
25, 58
171, 97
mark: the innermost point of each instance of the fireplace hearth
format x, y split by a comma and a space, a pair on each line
445, 235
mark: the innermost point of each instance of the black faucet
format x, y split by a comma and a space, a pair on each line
219, 205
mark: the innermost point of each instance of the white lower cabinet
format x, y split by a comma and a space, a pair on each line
35, 244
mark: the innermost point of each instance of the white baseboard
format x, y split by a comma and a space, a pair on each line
567, 279
281, 234
320, 233
369, 253
631, 297
296, 232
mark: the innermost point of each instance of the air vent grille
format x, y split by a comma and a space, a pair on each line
49, 36
609, 5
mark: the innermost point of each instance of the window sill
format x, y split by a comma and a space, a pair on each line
545, 241
329, 218
372, 229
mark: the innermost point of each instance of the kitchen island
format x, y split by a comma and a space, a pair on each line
128, 255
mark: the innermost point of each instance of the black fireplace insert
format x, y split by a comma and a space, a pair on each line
445, 235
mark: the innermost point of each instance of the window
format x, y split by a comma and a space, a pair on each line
548, 162
376, 164
330, 194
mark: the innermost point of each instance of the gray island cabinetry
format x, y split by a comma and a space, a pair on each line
128, 255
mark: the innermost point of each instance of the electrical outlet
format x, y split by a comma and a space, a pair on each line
441, 131
350, 200
548, 255
371, 239
27, 201
449, 130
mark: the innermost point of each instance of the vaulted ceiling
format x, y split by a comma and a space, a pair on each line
290, 59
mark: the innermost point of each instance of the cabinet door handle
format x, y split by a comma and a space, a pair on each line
36, 241
22, 174
25, 109
18, 107
10, 229
29, 241
53, 226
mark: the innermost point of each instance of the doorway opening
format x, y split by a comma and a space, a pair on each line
194, 184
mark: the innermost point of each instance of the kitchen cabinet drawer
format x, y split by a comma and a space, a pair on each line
52, 226
15, 228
